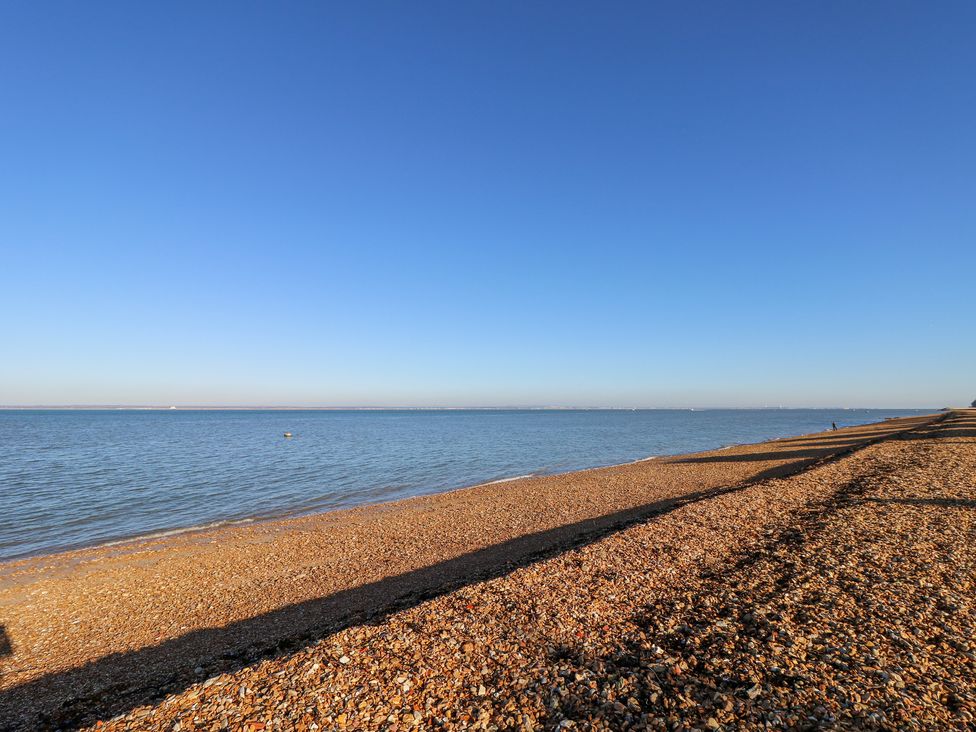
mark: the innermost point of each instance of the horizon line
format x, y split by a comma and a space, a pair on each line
522, 407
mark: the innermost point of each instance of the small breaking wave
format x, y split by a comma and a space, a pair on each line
508, 480
176, 532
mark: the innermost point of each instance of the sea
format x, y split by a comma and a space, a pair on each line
78, 478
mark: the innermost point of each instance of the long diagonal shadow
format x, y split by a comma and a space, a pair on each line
118, 682
758, 457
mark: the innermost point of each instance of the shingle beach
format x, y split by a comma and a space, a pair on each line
814, 582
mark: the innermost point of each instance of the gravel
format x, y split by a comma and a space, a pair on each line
837, 597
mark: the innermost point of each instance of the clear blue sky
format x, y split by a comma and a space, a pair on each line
484, 203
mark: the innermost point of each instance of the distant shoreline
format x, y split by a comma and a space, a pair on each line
150, 408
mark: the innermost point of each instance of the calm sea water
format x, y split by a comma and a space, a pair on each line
78, 478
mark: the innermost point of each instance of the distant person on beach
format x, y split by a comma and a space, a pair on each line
834, 425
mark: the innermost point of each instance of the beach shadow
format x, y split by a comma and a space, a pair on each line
831, 436
758, 457
942, 502
636, 656
828, 447
116, 683
952, 433
958, 432
953, 428
826, 442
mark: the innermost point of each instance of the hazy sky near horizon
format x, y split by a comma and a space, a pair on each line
488, 203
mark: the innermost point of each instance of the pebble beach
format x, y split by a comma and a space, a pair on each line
822, 581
